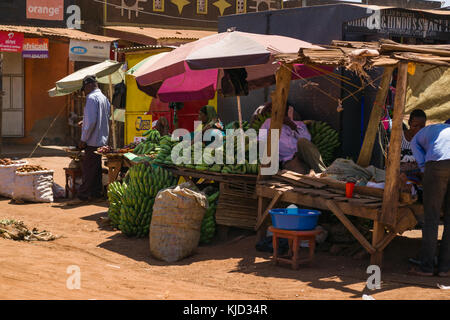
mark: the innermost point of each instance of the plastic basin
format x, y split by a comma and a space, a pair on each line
294, 219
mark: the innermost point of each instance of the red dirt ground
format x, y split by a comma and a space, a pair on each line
116, 267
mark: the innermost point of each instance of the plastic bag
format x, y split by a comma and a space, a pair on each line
176, 221
7, 176
34, 186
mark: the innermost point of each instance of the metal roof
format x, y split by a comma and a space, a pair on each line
57, 32
158, 33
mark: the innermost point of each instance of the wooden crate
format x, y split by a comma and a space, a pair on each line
237, 206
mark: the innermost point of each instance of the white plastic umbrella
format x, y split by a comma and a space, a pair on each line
101, 71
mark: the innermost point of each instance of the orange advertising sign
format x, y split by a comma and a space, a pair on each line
45, 9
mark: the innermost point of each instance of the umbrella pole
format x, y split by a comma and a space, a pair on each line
113, 122
239, 111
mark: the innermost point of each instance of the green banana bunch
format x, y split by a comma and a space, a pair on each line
326, 139
260, 119
115, 193
138, 198
208, 228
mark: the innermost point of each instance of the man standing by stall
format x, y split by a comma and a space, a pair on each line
94, 134
431, 148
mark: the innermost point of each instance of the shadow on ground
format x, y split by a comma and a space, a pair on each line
326, 272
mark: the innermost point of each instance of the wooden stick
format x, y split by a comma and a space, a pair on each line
238, 98
350, 227
272, 203
375, 115
113, 122
391, 190
409, 48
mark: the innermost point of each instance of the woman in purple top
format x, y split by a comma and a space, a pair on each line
297, 152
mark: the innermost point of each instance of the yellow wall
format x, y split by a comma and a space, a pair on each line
137, 101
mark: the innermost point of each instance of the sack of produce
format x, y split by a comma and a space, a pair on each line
177, 218
33, 183
7, 174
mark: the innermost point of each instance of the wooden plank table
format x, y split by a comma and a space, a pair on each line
325, 197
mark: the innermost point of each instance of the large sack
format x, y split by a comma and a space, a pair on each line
176, 221
7, 176
34, 186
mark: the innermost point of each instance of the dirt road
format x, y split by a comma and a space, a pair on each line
113, 266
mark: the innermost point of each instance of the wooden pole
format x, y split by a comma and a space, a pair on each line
1, 100
377, 111
113, 122
239, 111
391, 190
279, 100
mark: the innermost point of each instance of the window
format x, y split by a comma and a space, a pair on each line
241, 6
13, 98
158, 5
202, 6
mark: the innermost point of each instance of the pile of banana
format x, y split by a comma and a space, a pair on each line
151, 143
235, 125
144, 182
116, 190
260, 119
326, 140
208, 160
208, 228
165, 145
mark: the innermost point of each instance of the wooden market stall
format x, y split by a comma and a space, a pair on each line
391, 211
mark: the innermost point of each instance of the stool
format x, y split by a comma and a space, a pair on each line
74, 173
294, 238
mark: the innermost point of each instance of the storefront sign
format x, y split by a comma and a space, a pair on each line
398, 22
11, 41
45, 9
89, 51
136, 124
35, 48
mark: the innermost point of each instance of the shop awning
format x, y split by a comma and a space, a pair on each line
57, 32
153, 36
102, 71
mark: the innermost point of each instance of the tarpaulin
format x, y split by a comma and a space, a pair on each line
428, 89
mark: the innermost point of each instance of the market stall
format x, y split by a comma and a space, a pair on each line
391, 211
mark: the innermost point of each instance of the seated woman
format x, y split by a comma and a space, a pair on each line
296, 151
210, 120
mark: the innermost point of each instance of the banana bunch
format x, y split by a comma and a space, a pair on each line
326, 140
115, 194
138, 198
260, 119
152, 135
208, 228
235, 125
151, 143
165, 150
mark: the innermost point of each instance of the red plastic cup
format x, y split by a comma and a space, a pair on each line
349, 186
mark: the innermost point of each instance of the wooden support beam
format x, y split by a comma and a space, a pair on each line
350, 227
392, 188
279, 100
266, 213
377, 111
377, 241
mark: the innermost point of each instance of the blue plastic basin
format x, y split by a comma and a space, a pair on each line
294, 219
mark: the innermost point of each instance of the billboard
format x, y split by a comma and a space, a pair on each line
11, 41
35, 48
92, 51
45, 9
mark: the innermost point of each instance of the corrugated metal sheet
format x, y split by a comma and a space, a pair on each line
437, 12
57, 32
158, 34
